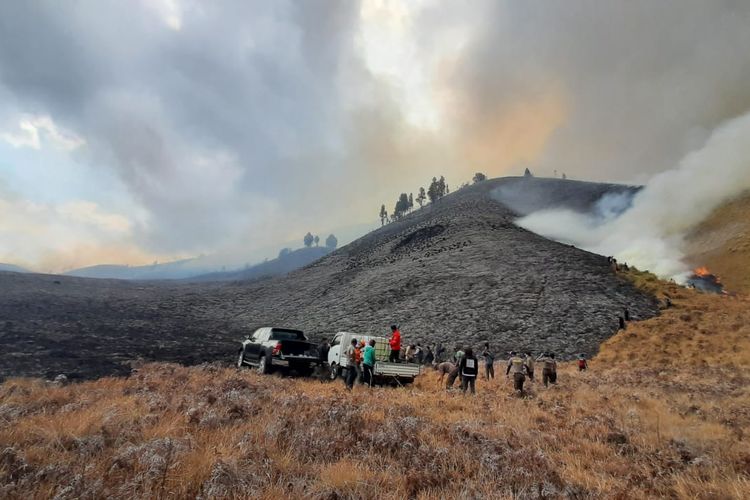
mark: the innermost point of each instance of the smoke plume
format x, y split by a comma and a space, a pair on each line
647, 229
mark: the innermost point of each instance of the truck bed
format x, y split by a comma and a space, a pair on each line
401, 370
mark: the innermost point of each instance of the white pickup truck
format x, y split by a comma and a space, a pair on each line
384, 371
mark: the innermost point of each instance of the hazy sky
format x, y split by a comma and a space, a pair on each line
136, 131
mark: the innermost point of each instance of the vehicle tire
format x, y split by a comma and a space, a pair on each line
263, 366
241, 359
334, 373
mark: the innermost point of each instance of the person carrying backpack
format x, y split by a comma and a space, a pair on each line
549, 368
517, 366
469, 369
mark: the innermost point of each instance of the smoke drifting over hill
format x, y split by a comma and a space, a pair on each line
202, 125
647, 228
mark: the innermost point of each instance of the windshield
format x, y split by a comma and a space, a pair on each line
287, 335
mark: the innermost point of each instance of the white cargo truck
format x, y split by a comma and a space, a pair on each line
384, 371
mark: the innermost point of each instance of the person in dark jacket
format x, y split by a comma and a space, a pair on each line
469, 369
489, 362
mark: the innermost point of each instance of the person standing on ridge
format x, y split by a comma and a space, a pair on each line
469, 369
489, 362
395, 343
368, 362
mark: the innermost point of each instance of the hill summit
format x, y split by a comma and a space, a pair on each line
456, 271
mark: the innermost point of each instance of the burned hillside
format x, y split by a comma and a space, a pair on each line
458, 271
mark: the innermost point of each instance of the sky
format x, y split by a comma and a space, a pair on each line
150, 130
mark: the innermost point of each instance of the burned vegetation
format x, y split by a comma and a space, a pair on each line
458, 271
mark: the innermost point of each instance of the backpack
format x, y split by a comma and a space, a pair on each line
470, 367
581, 363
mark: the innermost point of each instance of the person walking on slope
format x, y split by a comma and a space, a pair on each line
395, 343
368, 362
469, 369
517, 366
549, 368
489, 362
582, 364
530, 366
351, 369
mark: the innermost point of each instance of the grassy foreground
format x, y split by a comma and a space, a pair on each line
663, 411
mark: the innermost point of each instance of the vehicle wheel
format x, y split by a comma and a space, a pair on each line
241, 359
334, 373
263, 367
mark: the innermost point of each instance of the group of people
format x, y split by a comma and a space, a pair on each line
520, 365
361, 357
464, 363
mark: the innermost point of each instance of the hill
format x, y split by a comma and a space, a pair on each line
458, 270
722, 243
283, 264
12, 268
662, 412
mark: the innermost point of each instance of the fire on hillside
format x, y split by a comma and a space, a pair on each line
705, 281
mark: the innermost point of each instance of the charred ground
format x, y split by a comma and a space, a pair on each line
455, 271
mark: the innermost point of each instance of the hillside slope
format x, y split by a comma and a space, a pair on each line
654, 417
283, 264
722, 243
12, 268
455, 271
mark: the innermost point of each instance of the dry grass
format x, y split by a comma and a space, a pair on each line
664, 411
722, 242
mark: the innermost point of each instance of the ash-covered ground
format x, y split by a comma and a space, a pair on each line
458, 271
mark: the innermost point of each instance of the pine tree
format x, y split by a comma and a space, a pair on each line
421, 197
432, 191
332, 242
527, 173
308, 240
383, 215
411, 201
317, 240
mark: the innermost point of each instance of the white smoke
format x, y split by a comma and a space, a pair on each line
648, 230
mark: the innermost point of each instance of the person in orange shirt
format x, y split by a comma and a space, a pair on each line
395, 343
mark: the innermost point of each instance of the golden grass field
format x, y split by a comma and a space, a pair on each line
662, 412
722, 243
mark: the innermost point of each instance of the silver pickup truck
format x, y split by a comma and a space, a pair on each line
384, 371
271, 347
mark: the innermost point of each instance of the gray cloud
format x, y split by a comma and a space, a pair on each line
258, 115
643, 82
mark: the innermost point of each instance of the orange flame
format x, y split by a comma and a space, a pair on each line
702, 271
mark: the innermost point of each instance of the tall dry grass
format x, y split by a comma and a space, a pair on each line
663, 411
